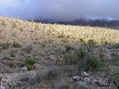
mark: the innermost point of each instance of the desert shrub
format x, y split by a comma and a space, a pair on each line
115, 79
70, 70
11, 64
5, 45
14, 25
62, 35
91, 42
81, 53
67, 47
16, 45
12, 55
92, 63
29, 62
82, 40
48, 74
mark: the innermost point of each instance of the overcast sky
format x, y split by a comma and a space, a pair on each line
60, 10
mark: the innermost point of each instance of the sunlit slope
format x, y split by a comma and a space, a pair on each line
25, 32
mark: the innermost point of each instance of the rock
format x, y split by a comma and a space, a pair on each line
94, 81
52, 57
102, 82
11, 58
24, 69
37, 66
2, 87
2, 58
4, 61
84, 74
75, 78
87, 79
20, 64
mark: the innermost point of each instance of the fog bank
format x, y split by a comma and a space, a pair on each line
60, 10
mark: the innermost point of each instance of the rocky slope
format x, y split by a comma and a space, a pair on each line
52, 56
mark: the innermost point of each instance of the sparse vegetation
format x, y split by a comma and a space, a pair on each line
69, 49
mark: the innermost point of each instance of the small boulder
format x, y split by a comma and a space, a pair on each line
87, 79
75, 78
24, 69
102, 82
84, 74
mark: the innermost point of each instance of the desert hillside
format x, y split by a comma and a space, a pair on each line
54, 56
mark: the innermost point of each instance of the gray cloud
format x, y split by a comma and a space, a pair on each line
60, 10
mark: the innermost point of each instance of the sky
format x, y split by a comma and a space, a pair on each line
60, 10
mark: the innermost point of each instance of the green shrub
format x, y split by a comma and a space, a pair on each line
92, 63
82, 40
81, 53
115, 79
29, 62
